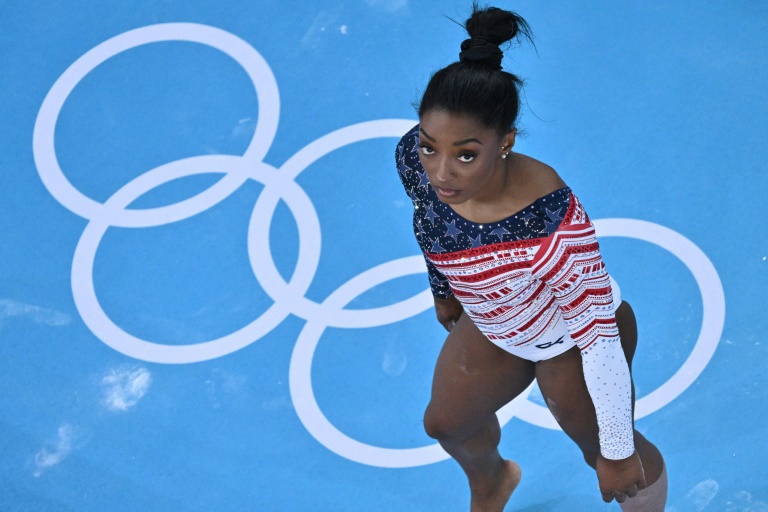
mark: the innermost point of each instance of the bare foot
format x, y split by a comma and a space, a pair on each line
495, 499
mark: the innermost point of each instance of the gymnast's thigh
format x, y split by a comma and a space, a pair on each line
474, 378
562, 384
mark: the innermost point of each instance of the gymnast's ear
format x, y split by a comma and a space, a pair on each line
509, 139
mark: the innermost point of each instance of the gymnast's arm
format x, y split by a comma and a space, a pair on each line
575, 272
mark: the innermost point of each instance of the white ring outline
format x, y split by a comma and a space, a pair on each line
108, 332
245, 55
712, 323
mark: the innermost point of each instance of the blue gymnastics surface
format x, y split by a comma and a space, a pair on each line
210, 294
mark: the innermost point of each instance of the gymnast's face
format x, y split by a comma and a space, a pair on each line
462, 156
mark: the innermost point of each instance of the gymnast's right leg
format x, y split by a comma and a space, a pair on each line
473, 379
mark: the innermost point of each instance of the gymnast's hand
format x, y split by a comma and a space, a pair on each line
448, 311
620, 479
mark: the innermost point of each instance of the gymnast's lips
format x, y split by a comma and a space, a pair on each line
446, 192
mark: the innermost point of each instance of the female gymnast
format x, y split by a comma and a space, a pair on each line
519, 283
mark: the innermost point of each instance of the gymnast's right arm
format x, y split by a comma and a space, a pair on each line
447, 308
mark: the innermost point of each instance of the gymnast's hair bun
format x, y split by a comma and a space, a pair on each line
488, 28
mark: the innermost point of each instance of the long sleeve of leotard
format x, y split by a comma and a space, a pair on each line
414, 182
574, 270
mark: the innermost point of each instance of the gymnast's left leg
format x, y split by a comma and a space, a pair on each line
561, 380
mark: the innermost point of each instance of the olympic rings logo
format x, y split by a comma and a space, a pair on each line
290, 297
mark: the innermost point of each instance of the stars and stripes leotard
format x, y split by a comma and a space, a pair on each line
533, 283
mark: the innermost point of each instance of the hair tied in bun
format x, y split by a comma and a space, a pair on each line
478, 49
476, 85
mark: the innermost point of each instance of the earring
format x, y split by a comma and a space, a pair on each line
504, 155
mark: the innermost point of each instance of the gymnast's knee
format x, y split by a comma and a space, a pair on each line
442, 424
437, 425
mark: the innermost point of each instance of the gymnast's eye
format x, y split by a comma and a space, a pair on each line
467, 157
426, 150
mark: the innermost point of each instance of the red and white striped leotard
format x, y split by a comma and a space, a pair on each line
534, 284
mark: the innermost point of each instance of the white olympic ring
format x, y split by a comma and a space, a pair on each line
290, 297
45, 125
82, 267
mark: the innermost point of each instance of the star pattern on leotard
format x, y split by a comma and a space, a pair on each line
419, 229
431, 215
554, 214
500, 232
423, 180
554, 219
527, 216
452, 230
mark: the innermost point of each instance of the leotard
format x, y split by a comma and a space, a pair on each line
534, 284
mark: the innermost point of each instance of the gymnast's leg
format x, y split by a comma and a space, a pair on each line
561, 380
473, 379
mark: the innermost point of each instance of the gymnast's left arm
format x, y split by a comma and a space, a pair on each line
575, 272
